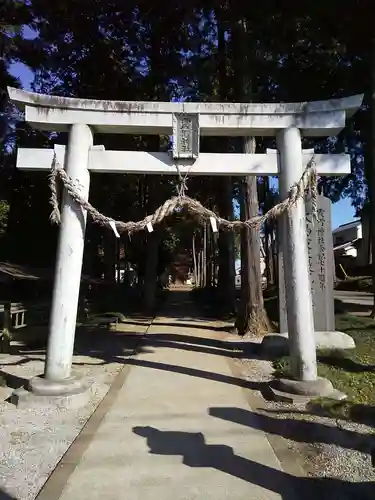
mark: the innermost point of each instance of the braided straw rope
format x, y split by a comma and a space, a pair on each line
306, 185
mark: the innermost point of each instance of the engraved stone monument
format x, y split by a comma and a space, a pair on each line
322, 268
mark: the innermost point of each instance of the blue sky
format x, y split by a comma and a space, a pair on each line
342, 211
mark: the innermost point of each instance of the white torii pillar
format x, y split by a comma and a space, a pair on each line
294, 241
69, 259
79, 116
57, 378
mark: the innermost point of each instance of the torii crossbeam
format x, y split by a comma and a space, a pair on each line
135, 162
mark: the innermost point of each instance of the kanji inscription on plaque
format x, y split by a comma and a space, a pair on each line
185, 135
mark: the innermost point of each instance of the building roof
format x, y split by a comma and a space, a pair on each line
348, 244
346, 226
18, 272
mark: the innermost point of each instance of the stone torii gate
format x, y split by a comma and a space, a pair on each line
82, 118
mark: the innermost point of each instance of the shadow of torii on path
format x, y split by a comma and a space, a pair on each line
296, 429
196, 453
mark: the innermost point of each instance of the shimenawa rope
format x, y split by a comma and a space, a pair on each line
306, 185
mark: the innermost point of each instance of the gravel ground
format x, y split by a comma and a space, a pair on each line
32, 441
328, 448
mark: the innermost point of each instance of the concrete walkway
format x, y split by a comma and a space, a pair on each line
163, 431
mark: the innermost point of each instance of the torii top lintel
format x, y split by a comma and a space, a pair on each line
315, 118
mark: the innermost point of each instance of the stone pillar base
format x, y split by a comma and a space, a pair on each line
71, 393
302, 391
277, 344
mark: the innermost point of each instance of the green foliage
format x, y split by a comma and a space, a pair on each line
4, 212
360, 283
144, 51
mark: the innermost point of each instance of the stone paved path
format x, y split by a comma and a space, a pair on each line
164, 430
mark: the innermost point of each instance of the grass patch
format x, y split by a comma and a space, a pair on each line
345, 410
355, 284
352, 372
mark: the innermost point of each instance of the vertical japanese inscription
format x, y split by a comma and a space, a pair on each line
185, 135
321, 268
321, 249
310, 241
